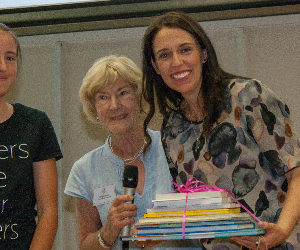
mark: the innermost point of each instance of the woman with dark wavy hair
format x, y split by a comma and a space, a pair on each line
215, 79
225, 130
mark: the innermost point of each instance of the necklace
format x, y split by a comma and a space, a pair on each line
199, 142
131, 159
193, 114
195, 117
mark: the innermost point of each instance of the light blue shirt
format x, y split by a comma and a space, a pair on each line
100, 168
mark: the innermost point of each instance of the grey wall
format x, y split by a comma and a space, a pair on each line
265, 48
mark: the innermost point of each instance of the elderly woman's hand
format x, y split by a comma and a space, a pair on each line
119, 215
144, 243
274, 236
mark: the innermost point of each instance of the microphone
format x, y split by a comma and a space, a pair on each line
130, 180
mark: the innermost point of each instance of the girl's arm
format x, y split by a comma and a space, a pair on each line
45, 184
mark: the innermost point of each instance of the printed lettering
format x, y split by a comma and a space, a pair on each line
8, 232
3, 148
11, 151
14, 151
2, 177
3, 203
12, 229
3, 232
21, 149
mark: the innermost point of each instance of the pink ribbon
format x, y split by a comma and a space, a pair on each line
193, 186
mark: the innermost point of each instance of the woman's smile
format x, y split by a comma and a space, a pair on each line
178, 60
119, 117
181, 75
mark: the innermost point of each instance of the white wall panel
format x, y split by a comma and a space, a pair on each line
272, 54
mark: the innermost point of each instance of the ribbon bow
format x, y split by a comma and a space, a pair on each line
192, 186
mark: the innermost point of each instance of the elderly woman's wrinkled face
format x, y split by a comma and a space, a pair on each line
117, 107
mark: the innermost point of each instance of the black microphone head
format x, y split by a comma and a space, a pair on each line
130, 176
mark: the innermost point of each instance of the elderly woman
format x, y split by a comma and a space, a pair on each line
225, 130
110, 95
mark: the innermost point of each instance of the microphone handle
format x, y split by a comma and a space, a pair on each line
125, 245
126, 230
129, 191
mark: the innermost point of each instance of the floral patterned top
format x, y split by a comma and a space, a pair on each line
250, 149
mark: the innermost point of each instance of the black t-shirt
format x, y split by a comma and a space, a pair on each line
26, 137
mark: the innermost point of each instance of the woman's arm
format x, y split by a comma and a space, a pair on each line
89, 222
45, 184
289, 217
275, 120
290, 214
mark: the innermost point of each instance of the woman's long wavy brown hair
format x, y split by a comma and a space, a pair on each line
214, 82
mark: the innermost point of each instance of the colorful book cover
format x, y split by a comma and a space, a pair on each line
205, 235
193, 212
191, 202
211, 217
161, 230
191, 224
196, 195
195, 207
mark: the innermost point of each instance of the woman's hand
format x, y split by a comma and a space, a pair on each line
89, 221
144, 243
274, 236
120, 214
251, 242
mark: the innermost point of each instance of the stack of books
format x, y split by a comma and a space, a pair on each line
203, 215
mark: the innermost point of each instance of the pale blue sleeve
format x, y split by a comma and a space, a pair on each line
76, 184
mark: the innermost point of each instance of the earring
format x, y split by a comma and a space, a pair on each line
97, 118
204, 55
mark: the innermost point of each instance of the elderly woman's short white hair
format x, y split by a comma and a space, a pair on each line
105, 72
